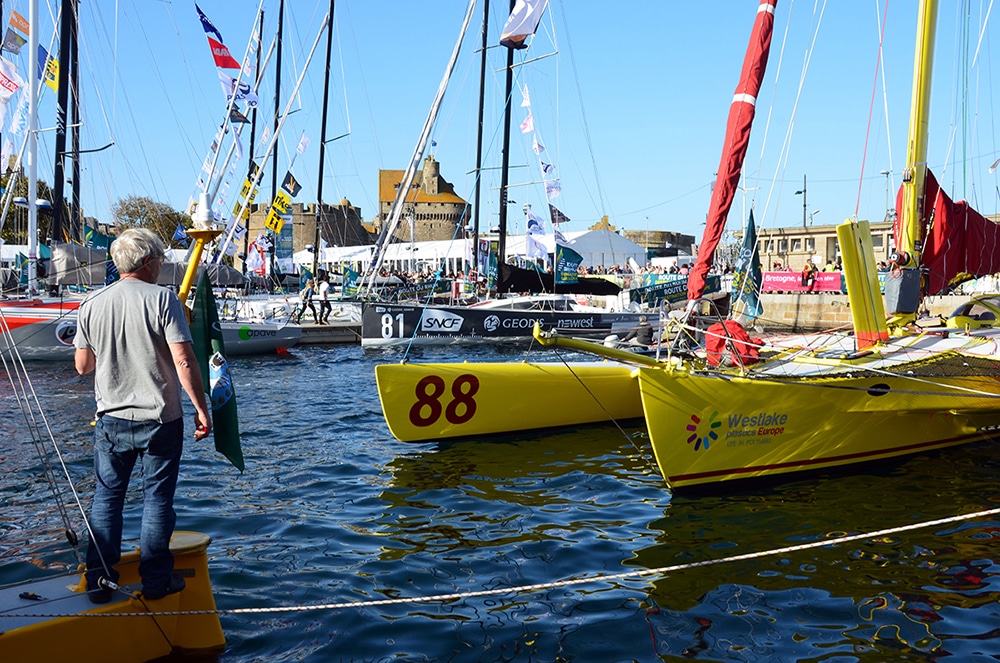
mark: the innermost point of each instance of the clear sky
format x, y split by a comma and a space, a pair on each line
630, 103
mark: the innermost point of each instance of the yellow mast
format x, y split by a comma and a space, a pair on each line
902, 290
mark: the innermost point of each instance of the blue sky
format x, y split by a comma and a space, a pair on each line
631, 104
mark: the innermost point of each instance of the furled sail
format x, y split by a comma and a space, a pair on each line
960, 244
734, 149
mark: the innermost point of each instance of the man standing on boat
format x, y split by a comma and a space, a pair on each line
324, 299
134, 335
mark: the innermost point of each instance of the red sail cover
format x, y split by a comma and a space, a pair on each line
960, 243
735, 146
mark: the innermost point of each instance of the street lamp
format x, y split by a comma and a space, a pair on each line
804, 206
811, 215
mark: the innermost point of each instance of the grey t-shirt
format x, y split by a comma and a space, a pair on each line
129, 326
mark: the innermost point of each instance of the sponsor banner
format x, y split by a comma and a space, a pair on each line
792, 282
672, 290
388, 324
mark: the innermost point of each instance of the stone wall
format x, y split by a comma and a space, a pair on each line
824, 311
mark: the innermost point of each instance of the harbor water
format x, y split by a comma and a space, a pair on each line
343, 536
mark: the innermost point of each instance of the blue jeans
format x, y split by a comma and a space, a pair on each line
118, 444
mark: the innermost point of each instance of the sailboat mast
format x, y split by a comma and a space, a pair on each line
66, 36
253, 142
32, 147
274, 155
902, 291
505, 162
479, 137
322, 140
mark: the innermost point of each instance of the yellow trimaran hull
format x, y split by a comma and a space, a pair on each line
447, 400
710, 428
76, 634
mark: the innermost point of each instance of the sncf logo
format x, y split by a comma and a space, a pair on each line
440, 321
701, 435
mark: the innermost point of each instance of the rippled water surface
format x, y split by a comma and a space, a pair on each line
332, 509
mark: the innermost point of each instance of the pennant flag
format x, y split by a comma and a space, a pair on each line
536, 146
748, 277
434, 143
536, 225
525, 98
557, 216
302, 146
48, 69
236, 117
211, 352
20, 23
547, 168
265, 136
181, 235
222, 56
290, 184
552, 189
567, 263
350, 285
207, 24
561, 239
528, 124
255, 258
94, 239
533, 247
12, 42
521, 23
243, 91
10, 82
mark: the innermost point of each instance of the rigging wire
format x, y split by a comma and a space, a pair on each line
871, 108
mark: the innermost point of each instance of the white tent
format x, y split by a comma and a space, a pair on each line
598, 247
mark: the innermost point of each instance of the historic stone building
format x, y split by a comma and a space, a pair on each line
432, 204
340, 225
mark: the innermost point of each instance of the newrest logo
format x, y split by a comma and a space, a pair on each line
703, 434
435, 321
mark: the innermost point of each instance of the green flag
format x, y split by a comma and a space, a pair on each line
567, 263
211, 352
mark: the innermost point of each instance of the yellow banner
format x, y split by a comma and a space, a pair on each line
282, 201
274, 222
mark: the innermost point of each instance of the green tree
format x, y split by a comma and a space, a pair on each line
15, 226
144, 212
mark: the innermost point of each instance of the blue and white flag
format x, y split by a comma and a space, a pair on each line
207, 24
553, 189
536, 224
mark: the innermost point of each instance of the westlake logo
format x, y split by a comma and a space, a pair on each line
709, 436
441, 322
756, 428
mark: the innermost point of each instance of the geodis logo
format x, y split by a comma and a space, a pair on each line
702, 435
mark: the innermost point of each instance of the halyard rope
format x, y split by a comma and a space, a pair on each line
537, 587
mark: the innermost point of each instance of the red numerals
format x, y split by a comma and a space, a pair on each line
427, 409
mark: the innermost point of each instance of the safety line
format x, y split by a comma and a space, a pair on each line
537, 587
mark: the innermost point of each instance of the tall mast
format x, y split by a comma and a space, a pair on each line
32, 147
902, 291
253, 140
505, 162
274, 155
322, 140
66, 37
479, 137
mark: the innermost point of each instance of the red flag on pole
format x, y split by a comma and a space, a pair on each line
222, 56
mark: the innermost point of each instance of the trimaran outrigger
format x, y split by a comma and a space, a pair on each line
888, 389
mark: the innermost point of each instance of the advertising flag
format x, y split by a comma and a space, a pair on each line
210, 349
20, 23
12, 42
290, 184
223, 58
748, 277
567, 263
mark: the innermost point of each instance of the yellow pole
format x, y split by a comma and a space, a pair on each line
201, 238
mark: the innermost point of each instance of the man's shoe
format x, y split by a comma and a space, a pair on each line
175, 585
99, 596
